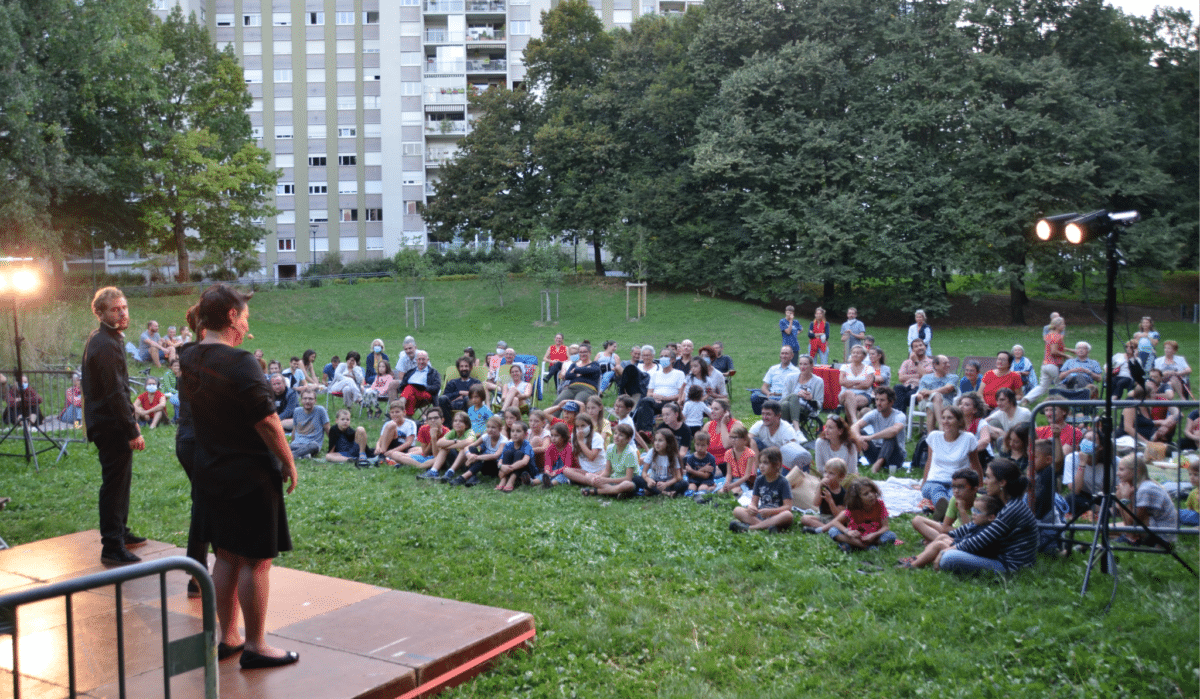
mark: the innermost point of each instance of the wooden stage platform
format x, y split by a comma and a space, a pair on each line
355, 641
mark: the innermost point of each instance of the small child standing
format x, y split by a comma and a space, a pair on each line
695, 409
982, 512
864, 522
477, 411
558, 457
699, 465
771, 505
738, 459
832, 498
348, 443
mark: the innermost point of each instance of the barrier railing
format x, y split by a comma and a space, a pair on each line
47, 416
179, 656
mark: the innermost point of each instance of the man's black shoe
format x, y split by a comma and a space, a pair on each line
132, 540
119, 556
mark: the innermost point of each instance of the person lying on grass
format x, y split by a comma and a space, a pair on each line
864, 522
771, 505
964, 484
983, 512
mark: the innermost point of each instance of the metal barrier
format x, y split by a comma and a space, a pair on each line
52, 421
179, 656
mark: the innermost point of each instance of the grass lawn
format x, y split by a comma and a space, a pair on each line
648, 597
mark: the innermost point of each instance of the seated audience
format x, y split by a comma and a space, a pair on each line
1001, 377
371, 365
777, 383
770, 506
884, 445
152, 348
348, 443
936, 390
1175, 369
1080, 371
150, 407
1006, 544
857, 379
1144, 503
971, 381
377, 390
772, 431
721, 362
1023, 367
285, 399
836, 442
807, 396
310, 424
454, 396
580, 378
420, 384
1006, 414
72, 413
349, 380
917, 365
832, 498
964, 484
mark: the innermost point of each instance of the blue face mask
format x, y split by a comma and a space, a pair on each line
664, 361
24, 384
574, 357
1087, 446
152, 389
706, 360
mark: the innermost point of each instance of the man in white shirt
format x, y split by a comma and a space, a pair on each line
772, 431
778, 382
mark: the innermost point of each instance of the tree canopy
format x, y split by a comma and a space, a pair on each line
757, 147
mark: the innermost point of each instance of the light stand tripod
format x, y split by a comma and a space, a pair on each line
23, 282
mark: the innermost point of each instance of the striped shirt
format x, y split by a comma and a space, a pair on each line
1011, 538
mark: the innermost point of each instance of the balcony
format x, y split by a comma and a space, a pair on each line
444, 6
447, 66
485, 6
486, 65
430, 190
479, 34
444, 36
437, 157
448, 127
448, 95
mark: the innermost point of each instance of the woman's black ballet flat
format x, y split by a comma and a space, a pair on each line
226, 651
255, 661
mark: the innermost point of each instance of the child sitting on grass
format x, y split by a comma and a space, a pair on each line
557, 457
348, 443
771, 505
588, 448
622, 462
1145, 502
739, 462
832, 499
481, 455
983, 511
516, 460
699, 465
864, 522
511, 417
539, 439
458, 438
964, 484
397, 434
593, 407
1189, 516
426, 448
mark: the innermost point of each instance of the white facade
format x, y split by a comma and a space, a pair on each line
361, 101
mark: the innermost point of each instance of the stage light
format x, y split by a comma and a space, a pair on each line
25, 281
1051, 226
1074, 233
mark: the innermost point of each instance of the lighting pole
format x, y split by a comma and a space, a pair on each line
16, 283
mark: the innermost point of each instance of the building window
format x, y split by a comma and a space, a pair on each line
344, 18
345, 46
370, 45
285, 189
347, 102
520, 27
410, 207
315, 161
252, 48
160, 5
318, 188
348, 187
252, 76
374, 242
374, 186
373, 158
410, 89
252, 20
371, 101
410, 58
314, 47
282, 19
318, 215
371, 17
224, 20
410, 3
282, 48
286, 217
374, 214
316, 104
256, 132
372, 130
283, 132
285, 160
414, 148
370, 75
345, 75
256, 106
412, 178
410, 29
347, 131
287, 244
314, 19
347, 159
315, 75
347, 215
283, 104
283, 75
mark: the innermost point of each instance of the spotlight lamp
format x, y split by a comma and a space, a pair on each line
1076, 228
18, 280
1052, 226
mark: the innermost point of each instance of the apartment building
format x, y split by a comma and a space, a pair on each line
361, 102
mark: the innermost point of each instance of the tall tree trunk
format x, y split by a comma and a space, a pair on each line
185, 271
596, 253
827, 292
1016, 302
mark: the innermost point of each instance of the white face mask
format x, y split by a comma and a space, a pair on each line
151, 389
377, 349
584, 430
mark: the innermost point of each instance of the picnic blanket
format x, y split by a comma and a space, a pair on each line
899, 495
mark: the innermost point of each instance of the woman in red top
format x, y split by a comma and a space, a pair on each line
1001, 377
1052, 361
720, 424
818, 337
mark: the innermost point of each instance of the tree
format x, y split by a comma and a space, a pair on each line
203, 171
495, 275
494, 184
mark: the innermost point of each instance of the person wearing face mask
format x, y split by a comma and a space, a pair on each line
109, 422
150, 406
455, 396
374, 360
23, 403
666, 385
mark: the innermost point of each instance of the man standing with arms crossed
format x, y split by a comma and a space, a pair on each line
109, 422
